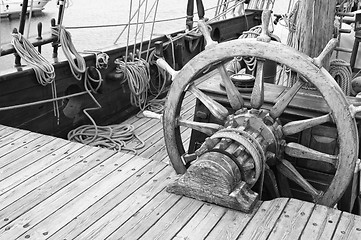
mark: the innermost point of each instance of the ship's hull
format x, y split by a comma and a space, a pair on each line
19, 86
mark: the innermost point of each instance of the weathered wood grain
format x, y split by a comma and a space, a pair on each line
348, 227
264, 220
321, 224
292, 220
202, 222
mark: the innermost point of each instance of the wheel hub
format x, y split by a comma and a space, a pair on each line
232, 157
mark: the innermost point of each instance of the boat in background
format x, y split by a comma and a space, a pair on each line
10, 8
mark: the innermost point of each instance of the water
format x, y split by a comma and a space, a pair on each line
101, 13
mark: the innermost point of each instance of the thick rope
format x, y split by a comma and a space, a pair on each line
44, 70
77, 65
342, 74
112, 137
234, 66
138, 77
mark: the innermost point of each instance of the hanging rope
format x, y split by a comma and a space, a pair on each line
291, 21
44, 70
137, 75
235, 65
77, 65
112, 137
342, 74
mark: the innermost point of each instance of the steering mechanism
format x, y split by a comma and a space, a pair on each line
250, 144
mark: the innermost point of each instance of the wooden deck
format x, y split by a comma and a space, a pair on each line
51, 188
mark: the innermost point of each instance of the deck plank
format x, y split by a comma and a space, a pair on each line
21, 151
146, 217
202, 222
9, 141
322, 223
5, 131
174, 220
109, 175
109, 202
35, 162
127, 208
231, 224
40, 178
292, 220
349, 227
68, 193
26, 205
264, 220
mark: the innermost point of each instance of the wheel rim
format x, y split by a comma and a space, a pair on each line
298, 62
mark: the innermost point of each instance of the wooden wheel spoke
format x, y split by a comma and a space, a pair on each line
214, 107
300, 151
203, 28
234, 96
286, 98
298, 126
207, 128
287, 169
257, 97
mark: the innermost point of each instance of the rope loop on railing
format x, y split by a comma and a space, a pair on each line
102, 60
137, 75
76, 61
44, 70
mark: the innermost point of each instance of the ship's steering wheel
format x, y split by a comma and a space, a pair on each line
309, 70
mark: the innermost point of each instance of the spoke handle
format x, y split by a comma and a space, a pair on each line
265, 35
203, 27
234, 96
257, 97
330, 46
150, 114
300, 125
165, 66
354, 110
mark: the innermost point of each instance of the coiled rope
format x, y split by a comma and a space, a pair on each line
44, 70
342, 73
77, 65
112, 137
138, 77
235, 66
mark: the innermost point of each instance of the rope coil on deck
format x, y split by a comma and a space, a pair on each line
114, 136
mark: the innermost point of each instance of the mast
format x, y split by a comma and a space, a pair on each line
314, 26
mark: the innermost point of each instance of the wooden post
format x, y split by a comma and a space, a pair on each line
314, 25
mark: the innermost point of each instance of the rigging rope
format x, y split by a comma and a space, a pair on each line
30, 16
